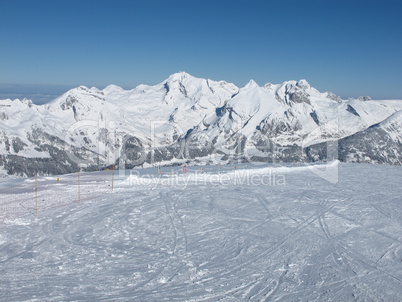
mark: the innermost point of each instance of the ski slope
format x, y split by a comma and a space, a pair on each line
259, 233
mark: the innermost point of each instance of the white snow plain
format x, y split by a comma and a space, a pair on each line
259, 233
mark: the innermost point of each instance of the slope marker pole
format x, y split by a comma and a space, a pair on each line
79, 189
112, 178
36, 196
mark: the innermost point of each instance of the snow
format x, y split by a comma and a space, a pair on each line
217, 233
163, 114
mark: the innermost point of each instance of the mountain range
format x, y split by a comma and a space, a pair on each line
191, 120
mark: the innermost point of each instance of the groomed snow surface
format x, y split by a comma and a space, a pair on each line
246, 234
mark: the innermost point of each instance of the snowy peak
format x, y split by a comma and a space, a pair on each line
251, 85
180, 76
180, 85
303, 84
184, 88
112, 89
80, 95
292, 92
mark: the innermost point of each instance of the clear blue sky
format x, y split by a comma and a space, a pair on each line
349, 47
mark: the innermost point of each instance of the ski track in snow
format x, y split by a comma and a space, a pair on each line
305, 240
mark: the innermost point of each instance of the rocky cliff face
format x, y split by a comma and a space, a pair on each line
186, 119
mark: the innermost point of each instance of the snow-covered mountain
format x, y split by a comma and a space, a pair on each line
187, 119
379, 143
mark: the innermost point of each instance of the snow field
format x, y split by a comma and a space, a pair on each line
305, 240
26, 198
